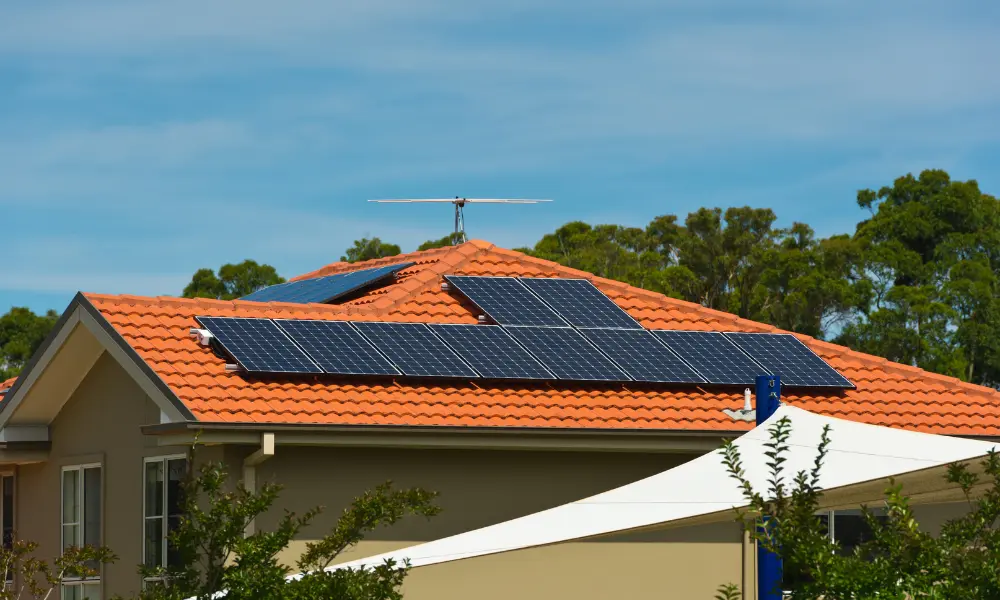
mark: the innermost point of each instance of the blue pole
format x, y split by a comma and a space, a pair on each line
768, 564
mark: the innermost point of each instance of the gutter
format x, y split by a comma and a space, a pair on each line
250, 463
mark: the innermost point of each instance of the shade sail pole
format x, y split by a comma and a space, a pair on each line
768, 564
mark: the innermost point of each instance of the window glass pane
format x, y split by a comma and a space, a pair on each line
851, 531
71, 536
70, 592
71, 492
92, 506
154, 489
154, 542
90, 591
177, 469
173, 557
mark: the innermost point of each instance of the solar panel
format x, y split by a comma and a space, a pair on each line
567, 353
783, 354
258, 345
324, 289
506, 300
491, 351
337, 347
580, 302
642, 356
716, 358
415, 350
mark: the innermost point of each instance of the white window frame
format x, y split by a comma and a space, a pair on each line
81, 582
165, 460
9, 580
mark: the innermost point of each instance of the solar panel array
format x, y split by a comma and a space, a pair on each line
492, 352
259, 345
562, 329
717, 359
338, 347
325, 289
642, 356
580, 302
506, 300
784, 355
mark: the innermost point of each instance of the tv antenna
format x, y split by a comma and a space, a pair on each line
459, 236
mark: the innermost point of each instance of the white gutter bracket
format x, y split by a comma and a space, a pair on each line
250, 463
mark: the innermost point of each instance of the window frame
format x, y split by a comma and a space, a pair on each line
81, 468
163, 459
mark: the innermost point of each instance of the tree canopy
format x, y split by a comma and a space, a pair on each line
368, 249
232, 280
21, 333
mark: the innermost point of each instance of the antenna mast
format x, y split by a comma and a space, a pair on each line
459, 236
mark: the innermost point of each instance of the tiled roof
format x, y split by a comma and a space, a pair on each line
158, 329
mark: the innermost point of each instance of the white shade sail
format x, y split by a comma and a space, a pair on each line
703, 490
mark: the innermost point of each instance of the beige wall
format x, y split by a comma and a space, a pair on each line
480, 488
99, 423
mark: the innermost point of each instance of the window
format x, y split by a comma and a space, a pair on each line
163, 478
7, 514
849, 528
81, 525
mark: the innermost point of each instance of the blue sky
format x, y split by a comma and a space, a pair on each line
141, 141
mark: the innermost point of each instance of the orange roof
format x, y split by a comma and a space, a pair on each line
158, 330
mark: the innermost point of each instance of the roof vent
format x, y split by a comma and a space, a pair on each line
445, 287
482, 319
232, 367
203, 336
747, 407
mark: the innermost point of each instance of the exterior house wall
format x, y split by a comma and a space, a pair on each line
99, 424
482, 487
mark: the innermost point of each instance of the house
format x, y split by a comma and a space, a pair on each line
94, 432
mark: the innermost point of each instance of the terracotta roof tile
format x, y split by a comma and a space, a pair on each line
158, 328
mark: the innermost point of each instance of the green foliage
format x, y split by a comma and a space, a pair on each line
728, 591
232, 281
213, 554
37, 577
368, 249
21, 333
900, 561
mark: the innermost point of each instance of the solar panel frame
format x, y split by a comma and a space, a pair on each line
642, 355
580, 303
506, 301
325, 289
785, 355
415, 349
259, 345
491, 351
714, 356
567, 353
337, 347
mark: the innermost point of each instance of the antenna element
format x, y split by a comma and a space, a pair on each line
459, 236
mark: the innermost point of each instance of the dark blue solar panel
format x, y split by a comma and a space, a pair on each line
783, 354
567, 353
580, 303
415, 350
505, 300
642, 356
337, 347
717, 359
492, 352
258, 345
324, 289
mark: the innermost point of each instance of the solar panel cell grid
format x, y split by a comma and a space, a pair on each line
506, 300
786, 356
580, 303
337, 347
642, 356
415, 350
259, 345
492, 352
567, 354
324, 289
717, 359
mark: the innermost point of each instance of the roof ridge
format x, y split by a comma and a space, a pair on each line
340, 266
